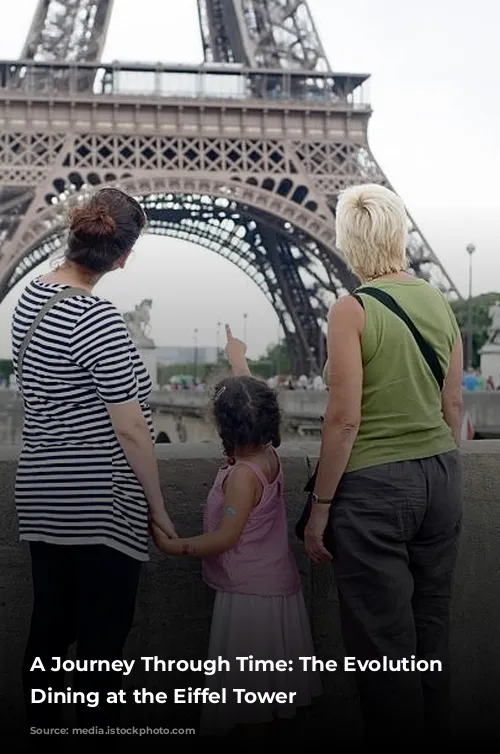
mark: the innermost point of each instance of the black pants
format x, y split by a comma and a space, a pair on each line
82, 593
395, 530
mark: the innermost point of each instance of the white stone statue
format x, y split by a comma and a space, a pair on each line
494, 315
138, 323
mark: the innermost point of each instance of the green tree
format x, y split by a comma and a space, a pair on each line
275, 361
204, 372
480, 320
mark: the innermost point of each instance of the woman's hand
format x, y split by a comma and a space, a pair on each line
161, 520
162, 541
314, 532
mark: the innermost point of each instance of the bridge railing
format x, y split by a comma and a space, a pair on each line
191, 82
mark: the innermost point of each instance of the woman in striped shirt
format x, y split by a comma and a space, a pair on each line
87, 478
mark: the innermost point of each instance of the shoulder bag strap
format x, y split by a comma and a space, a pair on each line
426, 349
59, 296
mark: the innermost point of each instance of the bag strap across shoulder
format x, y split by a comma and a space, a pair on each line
59, 296
426, 349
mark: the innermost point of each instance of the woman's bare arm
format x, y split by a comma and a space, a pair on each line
133, 434
345, 381
451, 400
342, 417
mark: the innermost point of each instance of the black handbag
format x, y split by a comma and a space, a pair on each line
304, 518
427, 352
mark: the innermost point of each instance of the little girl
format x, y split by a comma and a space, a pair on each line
259, 608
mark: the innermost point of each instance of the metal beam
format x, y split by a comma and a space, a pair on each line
71, 31
261, 34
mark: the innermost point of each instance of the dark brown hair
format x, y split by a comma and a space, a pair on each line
246, 413
104, 230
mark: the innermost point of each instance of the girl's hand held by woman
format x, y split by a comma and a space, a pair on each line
242, 493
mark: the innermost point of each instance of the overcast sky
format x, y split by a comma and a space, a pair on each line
435, 127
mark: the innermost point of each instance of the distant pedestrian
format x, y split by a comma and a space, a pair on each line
180, 428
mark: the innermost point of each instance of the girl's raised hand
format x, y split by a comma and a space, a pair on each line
235, 349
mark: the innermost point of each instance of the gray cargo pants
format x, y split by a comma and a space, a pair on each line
395, 531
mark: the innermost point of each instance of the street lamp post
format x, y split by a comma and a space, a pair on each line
470, 328
278, 350
219, 325
196, 353
245, 318
321, 355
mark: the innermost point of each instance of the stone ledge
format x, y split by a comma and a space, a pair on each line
296, 449
174, 606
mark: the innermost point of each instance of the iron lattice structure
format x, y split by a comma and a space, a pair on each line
244, 154
71, 31
261, 34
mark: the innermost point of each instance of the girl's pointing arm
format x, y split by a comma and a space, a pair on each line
242, 492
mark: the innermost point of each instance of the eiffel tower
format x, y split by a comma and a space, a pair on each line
244, 154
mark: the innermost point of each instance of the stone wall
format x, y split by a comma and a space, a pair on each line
174, 606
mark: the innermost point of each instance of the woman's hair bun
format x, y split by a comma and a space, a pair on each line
103, 230
93, 221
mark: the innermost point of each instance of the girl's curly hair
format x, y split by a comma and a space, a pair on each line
246, 413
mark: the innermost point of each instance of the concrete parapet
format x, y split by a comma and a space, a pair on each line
173, 612
297, 406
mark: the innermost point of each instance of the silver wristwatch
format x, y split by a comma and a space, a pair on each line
320, 500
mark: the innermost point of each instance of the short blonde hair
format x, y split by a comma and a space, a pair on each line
372, 230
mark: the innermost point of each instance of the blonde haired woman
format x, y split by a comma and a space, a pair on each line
387, 495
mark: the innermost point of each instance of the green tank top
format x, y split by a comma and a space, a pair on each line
401, 415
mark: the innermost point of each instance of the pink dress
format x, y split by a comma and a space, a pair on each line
259, 611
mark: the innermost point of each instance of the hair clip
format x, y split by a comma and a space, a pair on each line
219, 392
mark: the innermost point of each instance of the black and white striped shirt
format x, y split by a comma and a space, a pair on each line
74, 484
